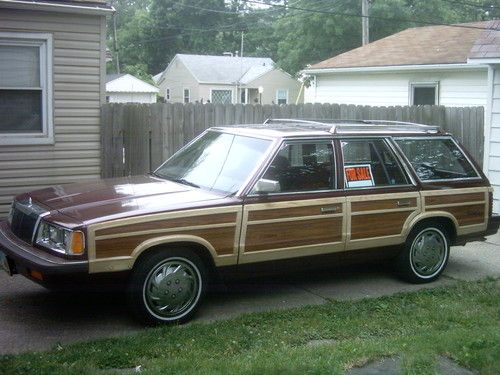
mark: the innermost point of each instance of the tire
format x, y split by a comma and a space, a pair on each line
167, 286
425, 254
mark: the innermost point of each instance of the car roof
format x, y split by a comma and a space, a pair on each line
284, 128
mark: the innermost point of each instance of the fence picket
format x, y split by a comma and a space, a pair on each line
138, 138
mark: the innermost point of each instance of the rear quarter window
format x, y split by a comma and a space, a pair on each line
436, 158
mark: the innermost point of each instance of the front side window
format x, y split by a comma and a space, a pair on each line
436, 158
25, 89
187, 95
303, 166
216, 161
370, 163
282, 96
222, 96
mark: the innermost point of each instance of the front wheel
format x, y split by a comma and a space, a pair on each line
426, 253
167, 286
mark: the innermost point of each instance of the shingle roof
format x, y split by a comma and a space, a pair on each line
222, 69
414, 46
487, 46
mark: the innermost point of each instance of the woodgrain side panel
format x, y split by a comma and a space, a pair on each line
295, 233
280, 213
222, 239
465, 215
455, 198
188, 221
385, 204
378, 225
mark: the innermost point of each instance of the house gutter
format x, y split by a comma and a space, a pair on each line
392, 68
57, 7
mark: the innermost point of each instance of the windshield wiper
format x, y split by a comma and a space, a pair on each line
184, 182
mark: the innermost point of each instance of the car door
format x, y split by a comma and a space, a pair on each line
381, 197
302, 212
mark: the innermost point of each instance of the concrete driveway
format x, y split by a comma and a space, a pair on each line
32, 318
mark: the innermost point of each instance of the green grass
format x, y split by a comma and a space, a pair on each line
460, 322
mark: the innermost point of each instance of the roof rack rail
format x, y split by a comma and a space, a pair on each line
335, 126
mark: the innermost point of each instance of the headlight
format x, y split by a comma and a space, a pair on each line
60, 239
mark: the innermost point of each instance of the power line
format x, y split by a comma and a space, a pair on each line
322, 11
473, 5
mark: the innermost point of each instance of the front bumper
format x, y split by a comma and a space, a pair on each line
24, 259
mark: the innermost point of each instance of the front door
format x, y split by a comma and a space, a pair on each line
305, 215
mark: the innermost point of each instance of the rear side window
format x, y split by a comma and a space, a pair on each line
436, 158
370, 163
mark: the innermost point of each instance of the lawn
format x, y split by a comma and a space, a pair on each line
460, 322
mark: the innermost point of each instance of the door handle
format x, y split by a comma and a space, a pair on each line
403, 203
326, 210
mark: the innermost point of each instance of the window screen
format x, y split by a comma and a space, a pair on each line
21, 92
436, 159
303, 167
370, 163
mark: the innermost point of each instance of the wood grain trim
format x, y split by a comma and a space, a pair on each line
191, 221
465, 215
378, 225
222, 239
454, 198
282, 213
385, 204
292, 234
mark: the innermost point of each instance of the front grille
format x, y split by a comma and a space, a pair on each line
24, 218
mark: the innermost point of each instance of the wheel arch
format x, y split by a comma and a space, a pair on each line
200, 246
444, 218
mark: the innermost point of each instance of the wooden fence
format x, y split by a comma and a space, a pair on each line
137, 138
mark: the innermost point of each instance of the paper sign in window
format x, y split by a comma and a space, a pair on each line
358, 176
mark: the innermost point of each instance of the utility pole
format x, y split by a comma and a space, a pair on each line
242, 39
115, 45
365, 21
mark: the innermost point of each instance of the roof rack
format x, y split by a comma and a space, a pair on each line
338, 126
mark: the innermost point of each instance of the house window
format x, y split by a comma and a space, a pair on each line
167, 95
26, 89
281, 96
424, 93
187, 95
222, 96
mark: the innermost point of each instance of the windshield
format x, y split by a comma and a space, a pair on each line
215, 161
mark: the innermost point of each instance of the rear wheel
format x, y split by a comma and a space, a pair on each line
426, 253
168, 286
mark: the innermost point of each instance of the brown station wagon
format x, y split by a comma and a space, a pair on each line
244, 198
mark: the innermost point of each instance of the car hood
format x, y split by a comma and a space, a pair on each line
110, 199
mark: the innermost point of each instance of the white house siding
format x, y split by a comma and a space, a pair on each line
493, 156
178, 78
456, 88
78, 90
273, 81
131, 97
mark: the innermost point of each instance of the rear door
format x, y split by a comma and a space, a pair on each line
305, 215
382, 199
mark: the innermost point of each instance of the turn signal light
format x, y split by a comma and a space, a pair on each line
77, 243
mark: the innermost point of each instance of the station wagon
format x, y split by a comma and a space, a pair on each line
242, 198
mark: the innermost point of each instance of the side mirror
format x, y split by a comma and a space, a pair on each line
264, 186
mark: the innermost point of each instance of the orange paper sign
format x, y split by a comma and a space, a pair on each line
359, 176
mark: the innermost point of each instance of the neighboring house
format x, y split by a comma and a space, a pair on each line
450, 66
422, 65
226, 79
52, 77
125, 88
486, 52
